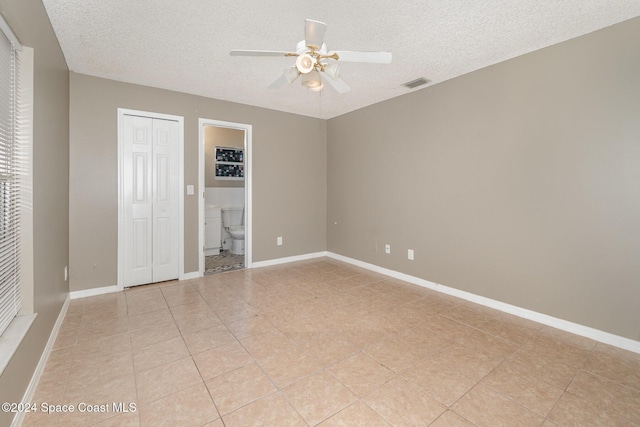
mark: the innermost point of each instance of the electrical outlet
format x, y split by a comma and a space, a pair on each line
66, 273
410, 254
279, 241
387, 249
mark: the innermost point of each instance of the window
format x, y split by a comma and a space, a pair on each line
12, 176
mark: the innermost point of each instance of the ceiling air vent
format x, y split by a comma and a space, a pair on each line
415, 83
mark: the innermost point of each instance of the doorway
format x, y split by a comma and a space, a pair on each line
225, 180
150, 197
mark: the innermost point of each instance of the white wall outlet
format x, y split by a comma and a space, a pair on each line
410, 254
387, 249
279, 241
66, 273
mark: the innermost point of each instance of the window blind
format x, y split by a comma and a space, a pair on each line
12, 173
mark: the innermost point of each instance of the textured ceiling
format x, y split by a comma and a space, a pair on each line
184, 45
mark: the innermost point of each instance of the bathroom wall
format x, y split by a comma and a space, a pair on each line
224, 196
30, 23
225, 137
288, 170
519, 182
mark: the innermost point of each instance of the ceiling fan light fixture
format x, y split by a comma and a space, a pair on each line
305, 63
312, 80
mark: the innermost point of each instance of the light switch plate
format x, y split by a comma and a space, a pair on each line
190, 190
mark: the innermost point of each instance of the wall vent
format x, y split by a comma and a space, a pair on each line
417, 82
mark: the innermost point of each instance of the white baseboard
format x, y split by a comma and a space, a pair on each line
93, 292
287, 259
191, 275
35, 378
574, 328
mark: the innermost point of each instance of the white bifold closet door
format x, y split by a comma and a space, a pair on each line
150, 178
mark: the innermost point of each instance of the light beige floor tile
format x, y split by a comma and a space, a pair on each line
516, 332
66, 339
181, 295
120, 343
251, 326
71, 321
147, 320
215, 423
616, 364
130, 419
141, 306
199, 306
402, 404
40, 419
273, 410
423, 338
487, 408
556, 349
196, 321
356, 415
160, 353
446, 327
141, 293
451, 419
395, 354
206, 339
287, 366
232, 313
542, 367
100, 369
467, 361
264, 345
327, 348
239, 387
222, 359
572, 411
601, 391
362, 334
467, 316
318, 397
526, 390
360, 373
440, 381
164, 380
191, 407
120, 389
159, 332
568, 338
322, 330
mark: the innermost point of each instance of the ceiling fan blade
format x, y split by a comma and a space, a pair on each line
278, 82
314, 32
370, 57
240, 52
338, 84
288, 76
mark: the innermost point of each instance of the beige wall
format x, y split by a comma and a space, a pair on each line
519, 182
219, 136
289, 174
29, 21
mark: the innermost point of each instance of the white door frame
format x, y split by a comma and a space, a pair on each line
248, 209
121, 239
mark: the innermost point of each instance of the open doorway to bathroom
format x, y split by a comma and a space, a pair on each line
225, 202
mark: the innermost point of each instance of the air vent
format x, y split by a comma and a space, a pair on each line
417, 82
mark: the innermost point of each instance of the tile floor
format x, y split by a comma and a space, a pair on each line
324, 343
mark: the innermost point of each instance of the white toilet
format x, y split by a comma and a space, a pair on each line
232, 221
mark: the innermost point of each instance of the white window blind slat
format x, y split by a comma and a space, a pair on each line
11, 167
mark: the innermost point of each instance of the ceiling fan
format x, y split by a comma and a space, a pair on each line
314, 62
